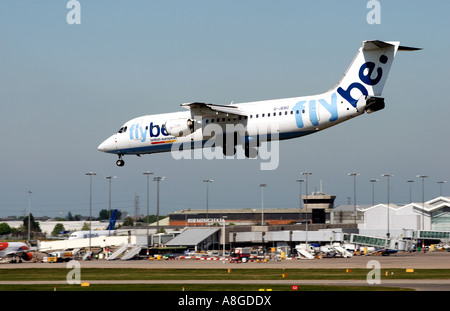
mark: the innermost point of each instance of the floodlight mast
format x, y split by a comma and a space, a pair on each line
157, 179
148, 204
90, 174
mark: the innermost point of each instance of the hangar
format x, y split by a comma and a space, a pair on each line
432, 215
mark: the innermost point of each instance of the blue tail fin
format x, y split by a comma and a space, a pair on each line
112, 221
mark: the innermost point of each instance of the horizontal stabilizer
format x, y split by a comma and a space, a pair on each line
408, 48
377, 44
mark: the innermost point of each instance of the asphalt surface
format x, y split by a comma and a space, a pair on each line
430, 260
416, 260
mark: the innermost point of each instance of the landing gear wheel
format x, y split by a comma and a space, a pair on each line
228, 152
250, 152
120, 162
228, 145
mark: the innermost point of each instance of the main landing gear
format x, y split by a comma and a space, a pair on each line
120, 162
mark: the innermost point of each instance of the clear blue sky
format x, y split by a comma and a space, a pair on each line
64, 88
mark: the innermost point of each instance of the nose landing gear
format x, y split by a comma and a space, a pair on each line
120, 162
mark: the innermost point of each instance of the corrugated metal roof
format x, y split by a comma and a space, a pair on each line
237, 211
192, 236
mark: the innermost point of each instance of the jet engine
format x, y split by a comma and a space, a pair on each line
179, 127
27, 256
374, 104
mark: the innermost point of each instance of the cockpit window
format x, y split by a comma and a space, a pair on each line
122, 130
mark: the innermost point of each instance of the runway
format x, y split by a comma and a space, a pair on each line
416, 260
430, 260
419, 285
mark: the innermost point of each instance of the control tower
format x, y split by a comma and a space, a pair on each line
319, 205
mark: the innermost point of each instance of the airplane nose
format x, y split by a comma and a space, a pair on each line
102, 147
106, 146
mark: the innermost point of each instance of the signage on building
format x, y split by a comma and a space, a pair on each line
205, 220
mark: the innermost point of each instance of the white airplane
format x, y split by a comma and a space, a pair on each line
248, 124
15, 250
93, 234
110, 230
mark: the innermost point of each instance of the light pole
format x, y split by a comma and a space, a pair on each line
423, 198
388, 177
207, 181
373, 181
223, 240
262, 186
440, 185
90, 174
306, 206
148, 202
300, 210
29, 215
157, 179
354, 194
109, 203
410, 181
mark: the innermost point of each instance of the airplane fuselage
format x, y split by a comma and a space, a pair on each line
208, 125
289, 118
15, 250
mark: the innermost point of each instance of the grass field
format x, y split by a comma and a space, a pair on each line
296, 275
59, 274
190, 287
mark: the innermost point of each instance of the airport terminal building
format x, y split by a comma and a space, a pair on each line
430, 215
316, 208
320, 223
275, 226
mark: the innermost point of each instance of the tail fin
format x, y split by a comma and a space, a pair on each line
112, 221
369, 70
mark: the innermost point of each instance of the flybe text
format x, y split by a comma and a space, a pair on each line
139, 132
365, 74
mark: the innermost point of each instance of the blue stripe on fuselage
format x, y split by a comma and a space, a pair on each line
168, 147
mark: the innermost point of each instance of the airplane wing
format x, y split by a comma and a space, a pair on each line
15, 253
212, 109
